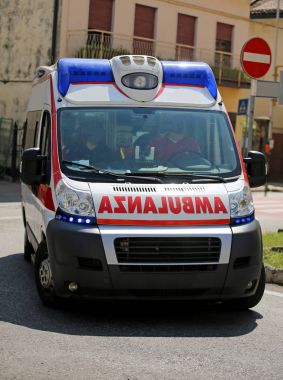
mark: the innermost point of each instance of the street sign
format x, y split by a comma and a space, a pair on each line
280, 98
256, 57
243, 105
265, 89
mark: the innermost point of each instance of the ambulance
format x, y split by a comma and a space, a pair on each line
133, 186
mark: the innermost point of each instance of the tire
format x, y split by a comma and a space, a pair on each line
43, 277
249, 302
28, 248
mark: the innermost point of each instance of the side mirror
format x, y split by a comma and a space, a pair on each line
33, 167
256, 168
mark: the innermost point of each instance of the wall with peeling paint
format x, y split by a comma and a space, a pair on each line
25, 43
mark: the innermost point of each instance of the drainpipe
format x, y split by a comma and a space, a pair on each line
54, 32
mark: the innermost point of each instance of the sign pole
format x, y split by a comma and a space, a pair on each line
251, 115
250, 122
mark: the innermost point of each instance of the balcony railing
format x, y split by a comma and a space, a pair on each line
103, 44
100, 42
143, 46
184, 52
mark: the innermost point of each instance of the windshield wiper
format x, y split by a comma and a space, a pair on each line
198, 177
193, 177
111, 174
90, 167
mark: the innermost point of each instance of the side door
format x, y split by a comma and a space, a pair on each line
43, 191
28, 192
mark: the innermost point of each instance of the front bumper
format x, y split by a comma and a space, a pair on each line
77, 255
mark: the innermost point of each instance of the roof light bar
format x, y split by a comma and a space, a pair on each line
76, 70
190, 74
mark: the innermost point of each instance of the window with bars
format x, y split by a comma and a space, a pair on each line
99, 23
144, 30
223, 45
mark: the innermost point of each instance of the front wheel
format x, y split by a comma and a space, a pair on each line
44, 277
249, 302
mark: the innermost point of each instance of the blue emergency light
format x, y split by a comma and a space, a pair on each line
80, 70
75, 219
190, 74
237, 221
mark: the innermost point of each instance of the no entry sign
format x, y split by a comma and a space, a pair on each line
256, 57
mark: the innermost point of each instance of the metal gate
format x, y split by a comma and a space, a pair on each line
6, 144
10, 148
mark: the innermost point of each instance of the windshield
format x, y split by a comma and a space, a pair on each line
143, 140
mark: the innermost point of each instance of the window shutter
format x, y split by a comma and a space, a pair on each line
224, 32
100, 14
186, 29
144, 21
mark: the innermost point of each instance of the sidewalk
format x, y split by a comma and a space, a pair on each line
271, 186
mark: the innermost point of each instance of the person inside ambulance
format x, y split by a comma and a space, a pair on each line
94, 150
172, 142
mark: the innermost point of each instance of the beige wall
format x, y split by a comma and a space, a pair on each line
232, 95
25, 43
74, 25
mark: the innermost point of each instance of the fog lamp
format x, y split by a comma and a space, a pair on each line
73, 287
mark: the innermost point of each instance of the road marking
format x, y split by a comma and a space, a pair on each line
271, 293
10, 217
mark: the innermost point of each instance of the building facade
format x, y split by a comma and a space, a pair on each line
167, 29
25, 43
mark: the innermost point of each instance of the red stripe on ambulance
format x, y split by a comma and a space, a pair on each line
139, 222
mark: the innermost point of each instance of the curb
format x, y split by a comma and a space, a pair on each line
273, 275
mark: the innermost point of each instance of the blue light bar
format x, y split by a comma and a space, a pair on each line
79, 70
240, 220
75, 219
190, 74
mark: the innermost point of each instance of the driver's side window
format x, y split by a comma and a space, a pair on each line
45, 141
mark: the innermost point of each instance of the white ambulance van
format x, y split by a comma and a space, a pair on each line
133, 185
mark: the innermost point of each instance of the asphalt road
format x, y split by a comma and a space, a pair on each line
126, 341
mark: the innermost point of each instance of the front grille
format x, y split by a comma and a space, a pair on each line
167, 293
167, 268
168, 249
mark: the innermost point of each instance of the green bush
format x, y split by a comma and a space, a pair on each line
275, 259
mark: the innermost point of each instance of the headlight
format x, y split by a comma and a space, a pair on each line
73, 201
241, 202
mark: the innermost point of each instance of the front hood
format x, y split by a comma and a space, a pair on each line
136, 204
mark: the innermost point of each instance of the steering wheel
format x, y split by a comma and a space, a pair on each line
188, 155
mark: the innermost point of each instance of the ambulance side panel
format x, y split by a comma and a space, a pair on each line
37, 210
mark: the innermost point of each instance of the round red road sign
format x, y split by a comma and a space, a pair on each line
256, 57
